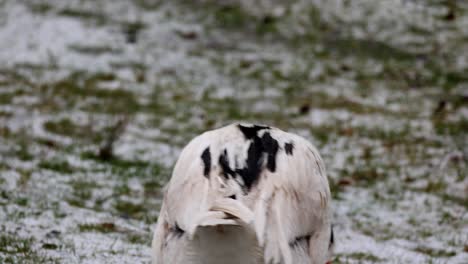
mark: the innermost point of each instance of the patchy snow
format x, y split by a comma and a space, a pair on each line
398, 176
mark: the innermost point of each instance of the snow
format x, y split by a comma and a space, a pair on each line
185, 85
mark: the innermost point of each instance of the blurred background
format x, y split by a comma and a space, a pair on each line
97, 99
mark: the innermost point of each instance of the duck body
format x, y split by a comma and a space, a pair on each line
245, 194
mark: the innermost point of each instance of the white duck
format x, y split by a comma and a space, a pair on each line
246, 194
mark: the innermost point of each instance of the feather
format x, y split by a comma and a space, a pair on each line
234, 208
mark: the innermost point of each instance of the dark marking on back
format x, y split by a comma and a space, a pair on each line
224, 163
253, 165
259, 149
289, 148
332, 238
251, 132
233, 196
270, 146
301, 239
206, 157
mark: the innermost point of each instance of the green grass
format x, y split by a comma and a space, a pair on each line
322, 100
368, 48
14, 249
153, 187
21, 201
130, 209
6, 98
233, 17
40, 8
83, 89
100, 227
67, 127
126, 168
451, 128
57, 165
111, 228
357, 257
92, 15
437, 253
23, 152
94, 50
82, 192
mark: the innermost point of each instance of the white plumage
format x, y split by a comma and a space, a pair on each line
246, 194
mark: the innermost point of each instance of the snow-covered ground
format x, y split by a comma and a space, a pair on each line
380, 87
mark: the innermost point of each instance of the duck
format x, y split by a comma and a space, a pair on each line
246, 194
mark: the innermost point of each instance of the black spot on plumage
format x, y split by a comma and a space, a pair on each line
253, 166
233, 197
289, 148
270, 147
224, 163
299, 240
206, 157
251, 131
177, 231
259, 149
332, 238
